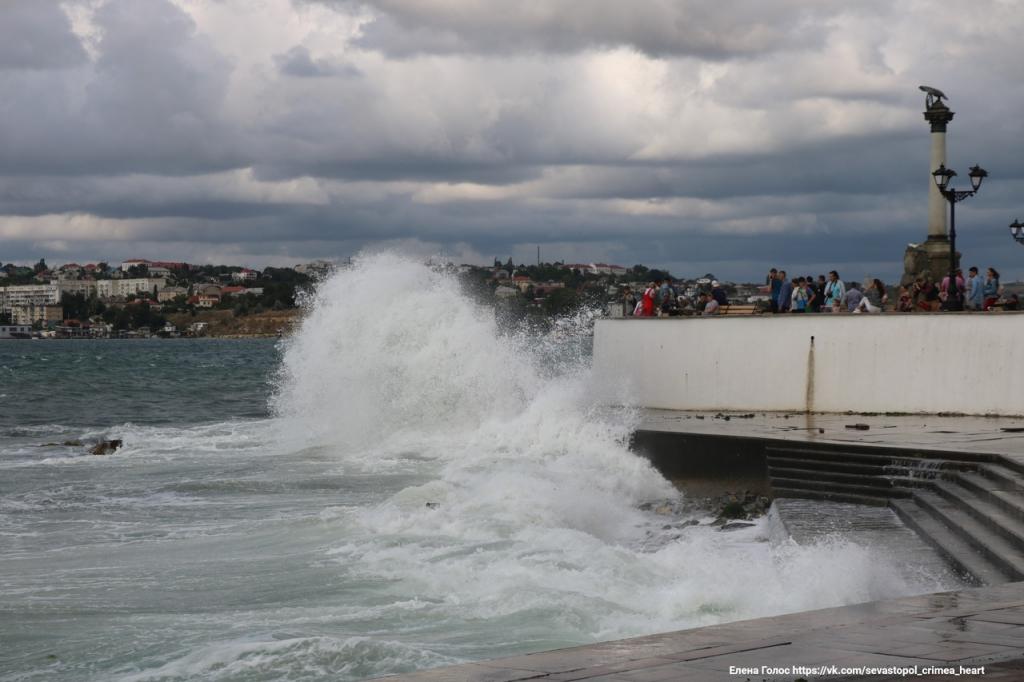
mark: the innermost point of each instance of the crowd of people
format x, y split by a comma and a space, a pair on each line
831, 295
660, 298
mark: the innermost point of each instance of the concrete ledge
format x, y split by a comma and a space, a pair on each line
970, 628
927, 364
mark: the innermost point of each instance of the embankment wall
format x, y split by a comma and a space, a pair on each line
917, 363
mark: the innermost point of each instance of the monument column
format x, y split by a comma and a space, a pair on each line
938, 115
931, 259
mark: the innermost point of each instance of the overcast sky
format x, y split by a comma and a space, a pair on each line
695, 135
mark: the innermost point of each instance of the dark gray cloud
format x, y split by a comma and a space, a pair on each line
671, 132
151, 101
300, 63
37, 35
684, 27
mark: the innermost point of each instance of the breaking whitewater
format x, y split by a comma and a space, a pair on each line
424, 489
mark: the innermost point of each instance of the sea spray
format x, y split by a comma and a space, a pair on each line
392, 357
432, 487
529, 507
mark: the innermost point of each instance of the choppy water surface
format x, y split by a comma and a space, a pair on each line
398, 486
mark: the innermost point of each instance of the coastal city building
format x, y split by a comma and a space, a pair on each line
170, 293
122, 288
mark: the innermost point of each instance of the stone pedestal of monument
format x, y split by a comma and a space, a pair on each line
931, 259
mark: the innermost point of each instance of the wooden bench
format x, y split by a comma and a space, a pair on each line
739, 309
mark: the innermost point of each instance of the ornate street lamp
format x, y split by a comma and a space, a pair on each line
1017, 230
942, 177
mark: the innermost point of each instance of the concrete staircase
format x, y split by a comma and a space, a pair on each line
970, 507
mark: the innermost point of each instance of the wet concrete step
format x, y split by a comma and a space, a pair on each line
1005, 477
885, 481
878, 454
834, 455
828, 465
997, 549
881, 467
873, 480
992, 515
1009, 501
961, 555
822, 486
797, 492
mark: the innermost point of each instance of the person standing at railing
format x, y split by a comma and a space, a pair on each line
835, 290
785, 300
991, 288
801, 296
975, 297
774, 284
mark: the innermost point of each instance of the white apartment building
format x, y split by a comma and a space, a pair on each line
128, 264
246, 275
122, 288
86, 287
29, 314
29, 295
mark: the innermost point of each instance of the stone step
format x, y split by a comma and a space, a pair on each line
1004, 477
789, 452
825, 486
1009, 501
960, 555
827, 465
933, 469
805, 494
813, 475
993, 516
879, 454
997, 549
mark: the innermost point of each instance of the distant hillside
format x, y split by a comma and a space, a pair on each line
223, 323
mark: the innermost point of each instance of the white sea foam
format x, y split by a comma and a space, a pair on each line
532, 494
431, 488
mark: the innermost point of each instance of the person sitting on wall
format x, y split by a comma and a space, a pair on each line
905, 303
926, 295
874, 298
718, 293
708, 305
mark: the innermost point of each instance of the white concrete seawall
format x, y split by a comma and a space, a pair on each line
916, 363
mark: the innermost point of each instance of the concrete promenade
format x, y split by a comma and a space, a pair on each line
980, 435
968, 629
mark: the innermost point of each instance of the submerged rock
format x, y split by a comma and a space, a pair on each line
739, 506
736, 525
105, 447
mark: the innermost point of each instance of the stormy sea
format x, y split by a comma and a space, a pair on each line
402, 483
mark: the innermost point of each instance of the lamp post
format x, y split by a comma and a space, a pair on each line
1017, 230
942, 177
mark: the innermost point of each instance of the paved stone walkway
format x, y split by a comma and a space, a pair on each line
963, 629
995, 435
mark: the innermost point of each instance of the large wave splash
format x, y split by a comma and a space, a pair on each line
526, 510
393, 360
